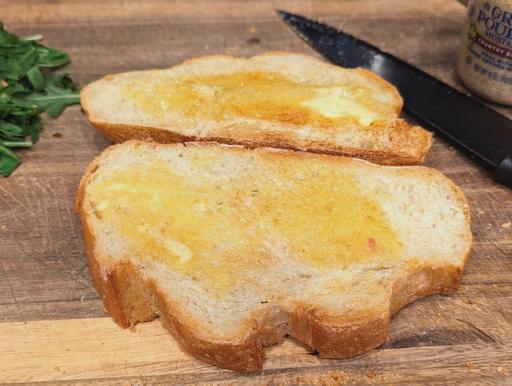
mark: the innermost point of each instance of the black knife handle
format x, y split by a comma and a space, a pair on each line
504, 171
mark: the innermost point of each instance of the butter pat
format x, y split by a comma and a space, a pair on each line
102, 206
174, 247
179, 249
333, 103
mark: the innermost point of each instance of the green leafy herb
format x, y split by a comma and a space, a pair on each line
28, 87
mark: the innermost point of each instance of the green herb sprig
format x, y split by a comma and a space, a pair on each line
28, 87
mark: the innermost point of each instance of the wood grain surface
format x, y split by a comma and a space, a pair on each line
52, 324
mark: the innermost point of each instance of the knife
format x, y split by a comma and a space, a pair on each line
469, 123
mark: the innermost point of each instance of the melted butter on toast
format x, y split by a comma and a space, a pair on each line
332, 102
222, 232
260, 95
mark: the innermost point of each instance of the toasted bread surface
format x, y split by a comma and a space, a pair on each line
234, 248
275, 99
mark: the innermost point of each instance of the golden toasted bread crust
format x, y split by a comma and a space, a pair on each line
122, 133
410, 143
131, 299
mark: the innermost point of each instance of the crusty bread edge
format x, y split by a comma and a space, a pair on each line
125, 132
122, 133
129, 299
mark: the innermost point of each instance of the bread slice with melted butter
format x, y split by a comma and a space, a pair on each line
235, 248
279, 100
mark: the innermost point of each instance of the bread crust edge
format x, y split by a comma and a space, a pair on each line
119, 133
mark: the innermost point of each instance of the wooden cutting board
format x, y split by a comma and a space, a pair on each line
52, 325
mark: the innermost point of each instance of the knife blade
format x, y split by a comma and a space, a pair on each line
468, 122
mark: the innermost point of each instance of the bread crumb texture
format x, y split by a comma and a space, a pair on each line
219, 230
261, 95
235, 248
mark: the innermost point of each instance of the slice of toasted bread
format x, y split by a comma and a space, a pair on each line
280, 100
235, 248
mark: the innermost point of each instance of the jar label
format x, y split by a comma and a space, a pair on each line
490, 34
485, 58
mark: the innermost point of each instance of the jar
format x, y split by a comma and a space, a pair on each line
485, 58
